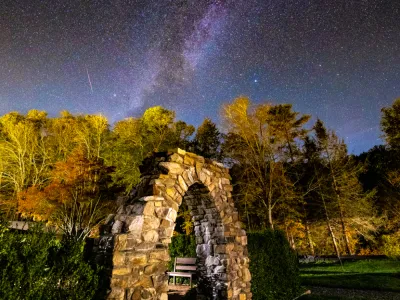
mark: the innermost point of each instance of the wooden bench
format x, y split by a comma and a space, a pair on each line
187, 266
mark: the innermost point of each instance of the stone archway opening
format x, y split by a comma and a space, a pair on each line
209, 232
139, 234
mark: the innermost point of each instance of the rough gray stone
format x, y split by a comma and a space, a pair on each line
117, 227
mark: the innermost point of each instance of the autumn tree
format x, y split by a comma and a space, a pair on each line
76, 197
125, 150
33, 147
133, 139
91, 131
24, 153
256, 139
156, 125
62, 132
249, 143
30, 145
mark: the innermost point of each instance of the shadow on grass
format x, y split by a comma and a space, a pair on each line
372, 281
318, 265
320, 297
320, 272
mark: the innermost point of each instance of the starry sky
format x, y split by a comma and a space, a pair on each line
337, 60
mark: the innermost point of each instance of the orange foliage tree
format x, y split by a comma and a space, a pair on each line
76, 197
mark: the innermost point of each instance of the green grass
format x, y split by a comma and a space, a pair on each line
381, 275
314, 297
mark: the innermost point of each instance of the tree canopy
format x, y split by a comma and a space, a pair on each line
286, 173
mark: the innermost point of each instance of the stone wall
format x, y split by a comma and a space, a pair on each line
136, 238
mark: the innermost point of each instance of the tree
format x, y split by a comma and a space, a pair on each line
125, 150
288, 128
378, 163
387, 167
133, 139
342, 180
157, 122
390, 124
76, 198
69, 132
62, 132
24, 153
256, 139
91, 133
249, 144
315, 167
207, 140
180, 134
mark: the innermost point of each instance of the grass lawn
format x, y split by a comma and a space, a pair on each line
381, 275
313, 297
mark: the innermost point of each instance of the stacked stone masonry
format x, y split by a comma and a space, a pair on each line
137, 237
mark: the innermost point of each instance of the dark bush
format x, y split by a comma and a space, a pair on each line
36, 265
182, 245
190, 295
273, 266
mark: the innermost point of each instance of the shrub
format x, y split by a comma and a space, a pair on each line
190, 295
182, 245
36, 265
391, 246
273, 266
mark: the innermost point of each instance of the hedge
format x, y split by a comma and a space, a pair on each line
182, 245
36, 265
273, 266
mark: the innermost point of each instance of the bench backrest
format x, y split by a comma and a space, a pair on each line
185, 264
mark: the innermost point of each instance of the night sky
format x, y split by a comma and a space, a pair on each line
338, 60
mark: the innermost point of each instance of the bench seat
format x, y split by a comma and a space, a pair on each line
184, 264
181, 274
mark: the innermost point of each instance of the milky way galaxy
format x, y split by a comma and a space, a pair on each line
337, 60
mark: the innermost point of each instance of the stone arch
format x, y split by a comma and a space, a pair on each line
142, 228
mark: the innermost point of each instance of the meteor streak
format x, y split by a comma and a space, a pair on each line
90, 82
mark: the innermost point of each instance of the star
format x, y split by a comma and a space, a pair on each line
328, 60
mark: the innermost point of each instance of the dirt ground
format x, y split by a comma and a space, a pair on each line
176, 292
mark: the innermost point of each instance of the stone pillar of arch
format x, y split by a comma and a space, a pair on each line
142, 228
